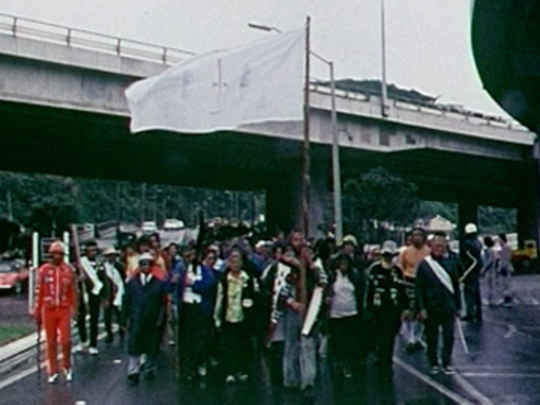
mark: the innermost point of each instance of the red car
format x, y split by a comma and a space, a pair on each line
13, 276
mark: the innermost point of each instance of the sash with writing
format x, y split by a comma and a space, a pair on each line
441, 273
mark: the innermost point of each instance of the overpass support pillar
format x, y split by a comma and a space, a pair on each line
284, 200
529, 205
467, 212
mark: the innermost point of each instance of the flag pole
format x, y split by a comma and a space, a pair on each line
306, 181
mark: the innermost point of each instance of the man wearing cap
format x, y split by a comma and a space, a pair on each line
113, 271
471, 257
386, 303
145, 297
55, 306
437, 300
409, 259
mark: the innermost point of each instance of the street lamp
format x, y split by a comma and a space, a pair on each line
264, 27
336, 169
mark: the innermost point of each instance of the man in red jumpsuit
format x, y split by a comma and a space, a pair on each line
55, 306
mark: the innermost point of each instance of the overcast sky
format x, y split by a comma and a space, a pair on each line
428, 42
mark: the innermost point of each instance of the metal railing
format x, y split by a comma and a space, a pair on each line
79, 38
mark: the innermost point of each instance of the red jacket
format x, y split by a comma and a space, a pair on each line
55, 287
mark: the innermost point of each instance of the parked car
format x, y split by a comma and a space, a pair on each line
149, 227
13, 275
172, 224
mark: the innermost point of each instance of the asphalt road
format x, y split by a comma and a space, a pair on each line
503, 367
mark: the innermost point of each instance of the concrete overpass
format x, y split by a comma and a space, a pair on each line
63, 111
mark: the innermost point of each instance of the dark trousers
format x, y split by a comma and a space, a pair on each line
386, 329
237, 348
275, 363
432, 336
94, 303
345, 339
473, 299
193, 328
108, 313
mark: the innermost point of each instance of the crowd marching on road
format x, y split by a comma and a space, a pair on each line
225, 303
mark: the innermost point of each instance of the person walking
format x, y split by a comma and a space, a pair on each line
490, 270
93, 272
438, 303
386, 303
145, 306
408, 261
234, 312
195, 301
505, 269
114, 303
472, 265
55, 307
345, 301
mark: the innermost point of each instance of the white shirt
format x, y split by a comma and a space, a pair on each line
189, 296
145, 278
344, 300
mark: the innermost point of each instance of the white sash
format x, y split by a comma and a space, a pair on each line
441, 273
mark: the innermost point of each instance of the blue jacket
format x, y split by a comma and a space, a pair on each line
205, 287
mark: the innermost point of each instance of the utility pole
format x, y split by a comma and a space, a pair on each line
384, 95
306, 179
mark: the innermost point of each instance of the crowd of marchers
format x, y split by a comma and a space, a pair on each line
291, 301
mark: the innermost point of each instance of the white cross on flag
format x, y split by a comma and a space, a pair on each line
223, 90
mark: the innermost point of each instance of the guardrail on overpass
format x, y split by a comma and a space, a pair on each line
80, 38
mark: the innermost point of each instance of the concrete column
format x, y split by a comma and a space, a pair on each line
284, 199
528, 205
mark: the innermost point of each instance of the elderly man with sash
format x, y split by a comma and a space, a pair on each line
437, 298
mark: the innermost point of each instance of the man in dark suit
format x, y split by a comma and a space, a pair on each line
437, 298
145, 306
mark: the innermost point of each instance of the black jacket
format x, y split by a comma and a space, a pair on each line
386, 295
145, 307
431, 294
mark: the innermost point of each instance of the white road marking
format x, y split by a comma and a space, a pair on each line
511, 331
25, 373
472, 391
432, 383
501, 375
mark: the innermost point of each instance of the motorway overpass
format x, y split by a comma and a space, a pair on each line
63, 110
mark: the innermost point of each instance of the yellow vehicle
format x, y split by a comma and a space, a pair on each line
526, 260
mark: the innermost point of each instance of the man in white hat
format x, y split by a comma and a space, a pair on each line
113, 271
471, 257
145, 309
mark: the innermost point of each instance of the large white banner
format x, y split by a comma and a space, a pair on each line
223, 90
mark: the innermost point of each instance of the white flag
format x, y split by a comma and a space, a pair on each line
223, 90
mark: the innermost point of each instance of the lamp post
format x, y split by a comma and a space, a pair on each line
336, 167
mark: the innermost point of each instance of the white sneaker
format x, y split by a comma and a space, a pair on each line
202, 371
242, 377
230, 379
80, 348
53, 378
68, 374
93, 351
